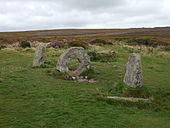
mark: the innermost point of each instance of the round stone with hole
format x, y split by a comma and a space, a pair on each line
70, 54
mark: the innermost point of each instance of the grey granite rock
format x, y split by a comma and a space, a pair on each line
74, 53
39, 55
133, 71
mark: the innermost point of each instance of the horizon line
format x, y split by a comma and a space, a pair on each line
53, 29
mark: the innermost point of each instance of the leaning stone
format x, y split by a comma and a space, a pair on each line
133, 71
74, 53
39, 55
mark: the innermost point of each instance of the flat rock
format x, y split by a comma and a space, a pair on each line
133, 71
129, 98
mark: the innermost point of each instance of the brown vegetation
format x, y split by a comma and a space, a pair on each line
86, 35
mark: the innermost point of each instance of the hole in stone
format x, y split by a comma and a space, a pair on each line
73, 65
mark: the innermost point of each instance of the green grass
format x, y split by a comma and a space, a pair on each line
30, 98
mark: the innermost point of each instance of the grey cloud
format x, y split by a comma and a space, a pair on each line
92, 4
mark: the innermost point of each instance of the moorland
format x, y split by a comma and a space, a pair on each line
42, 98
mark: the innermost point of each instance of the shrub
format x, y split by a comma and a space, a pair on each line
78, 44
144, 41
100, 42
102, 57
166, 48
55, 45
2, 47
140, 41
25, 44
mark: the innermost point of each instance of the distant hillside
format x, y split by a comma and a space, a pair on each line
162, 34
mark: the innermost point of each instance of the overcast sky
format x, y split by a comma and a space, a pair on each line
16, 15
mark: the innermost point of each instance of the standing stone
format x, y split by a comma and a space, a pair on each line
74, 53
133, 73
39, 55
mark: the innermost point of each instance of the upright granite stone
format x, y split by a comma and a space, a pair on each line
39, 55
133, 73
74, 53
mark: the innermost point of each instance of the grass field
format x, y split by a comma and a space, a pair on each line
31, 98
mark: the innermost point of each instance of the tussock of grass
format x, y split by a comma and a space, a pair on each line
59, 75
159, 97
90, 73
120, 89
